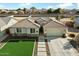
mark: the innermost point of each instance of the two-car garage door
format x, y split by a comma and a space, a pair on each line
54, 32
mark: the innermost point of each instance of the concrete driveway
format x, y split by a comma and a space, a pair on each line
61, 47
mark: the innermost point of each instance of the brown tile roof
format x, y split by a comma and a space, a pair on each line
53, 23
26, 23
40, 20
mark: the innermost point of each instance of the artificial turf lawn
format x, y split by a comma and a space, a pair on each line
17, 48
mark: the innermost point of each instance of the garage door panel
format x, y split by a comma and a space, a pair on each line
54, 32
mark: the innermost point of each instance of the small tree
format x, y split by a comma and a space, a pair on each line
18, 9
24, 10
49, 10
77, 27
58, 18
3, 12
32, 9
72, 35
57, 10
69, 24
63, 36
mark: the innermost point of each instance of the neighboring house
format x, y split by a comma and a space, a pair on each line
25, 27
76, 22
65, 20
8, 22
54, 28
5, 23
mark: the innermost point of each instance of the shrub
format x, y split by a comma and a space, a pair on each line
64, 36
69, 24
72, 35
77, 27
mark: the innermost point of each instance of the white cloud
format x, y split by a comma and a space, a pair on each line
62, 5
77, 5
49, 7
25, 4
65, 5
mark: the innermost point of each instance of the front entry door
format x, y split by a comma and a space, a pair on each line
41, 30
7, 31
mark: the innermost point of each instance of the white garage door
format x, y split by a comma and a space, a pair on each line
54, 32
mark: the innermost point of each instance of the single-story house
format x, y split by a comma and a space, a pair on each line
25, 27
54, 28
76, 22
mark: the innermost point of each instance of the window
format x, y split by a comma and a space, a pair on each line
18, 30
32, 30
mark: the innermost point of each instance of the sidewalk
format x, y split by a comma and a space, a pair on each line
41, 51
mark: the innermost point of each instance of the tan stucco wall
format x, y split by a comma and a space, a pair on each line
24, 30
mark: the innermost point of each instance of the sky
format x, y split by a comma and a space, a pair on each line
39, 5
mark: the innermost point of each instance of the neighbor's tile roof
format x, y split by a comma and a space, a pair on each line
6, 22
2, 23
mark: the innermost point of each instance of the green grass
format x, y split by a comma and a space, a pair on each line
17, 48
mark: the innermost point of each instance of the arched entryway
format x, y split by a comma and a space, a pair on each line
41, 30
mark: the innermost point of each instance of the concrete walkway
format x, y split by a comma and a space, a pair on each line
41, 50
